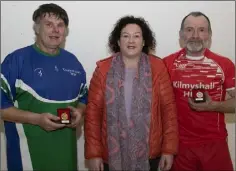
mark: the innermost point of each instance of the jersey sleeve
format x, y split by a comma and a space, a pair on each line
9, 74
229, 82
83, 92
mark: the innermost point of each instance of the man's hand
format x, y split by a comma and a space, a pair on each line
208, 105
48, 121
227, 106
95, 164
76, 116
166, 162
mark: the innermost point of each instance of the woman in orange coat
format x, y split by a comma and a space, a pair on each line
130, 120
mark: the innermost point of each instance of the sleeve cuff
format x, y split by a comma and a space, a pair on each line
232, 88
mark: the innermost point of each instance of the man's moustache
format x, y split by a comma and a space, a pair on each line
195, 41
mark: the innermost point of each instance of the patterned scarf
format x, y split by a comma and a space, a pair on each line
128, 141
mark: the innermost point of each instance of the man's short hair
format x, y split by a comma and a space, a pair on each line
51, 9
196, 14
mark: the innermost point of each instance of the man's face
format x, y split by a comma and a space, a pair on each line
195, 36
51, 31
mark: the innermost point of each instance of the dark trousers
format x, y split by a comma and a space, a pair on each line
153, 164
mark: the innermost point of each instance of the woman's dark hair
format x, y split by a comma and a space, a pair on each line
51, 9
148, 35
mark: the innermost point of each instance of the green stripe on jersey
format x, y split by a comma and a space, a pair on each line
6, 87
49, 151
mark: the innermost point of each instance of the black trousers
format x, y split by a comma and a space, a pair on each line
153, 164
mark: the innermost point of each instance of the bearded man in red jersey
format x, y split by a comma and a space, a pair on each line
201, 79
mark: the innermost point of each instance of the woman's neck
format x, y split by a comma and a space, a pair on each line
131, 62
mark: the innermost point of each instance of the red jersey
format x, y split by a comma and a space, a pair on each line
212, 72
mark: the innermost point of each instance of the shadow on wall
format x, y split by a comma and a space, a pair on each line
79, 134
1, 126
230, 118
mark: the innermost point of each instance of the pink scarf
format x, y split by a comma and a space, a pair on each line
128, 142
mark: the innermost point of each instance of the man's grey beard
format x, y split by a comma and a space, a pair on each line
196, 46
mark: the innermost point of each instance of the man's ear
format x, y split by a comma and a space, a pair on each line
36, 28
180, 34
67, 31
209, 42
181, 41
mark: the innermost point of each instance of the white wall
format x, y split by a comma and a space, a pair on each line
91, 23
